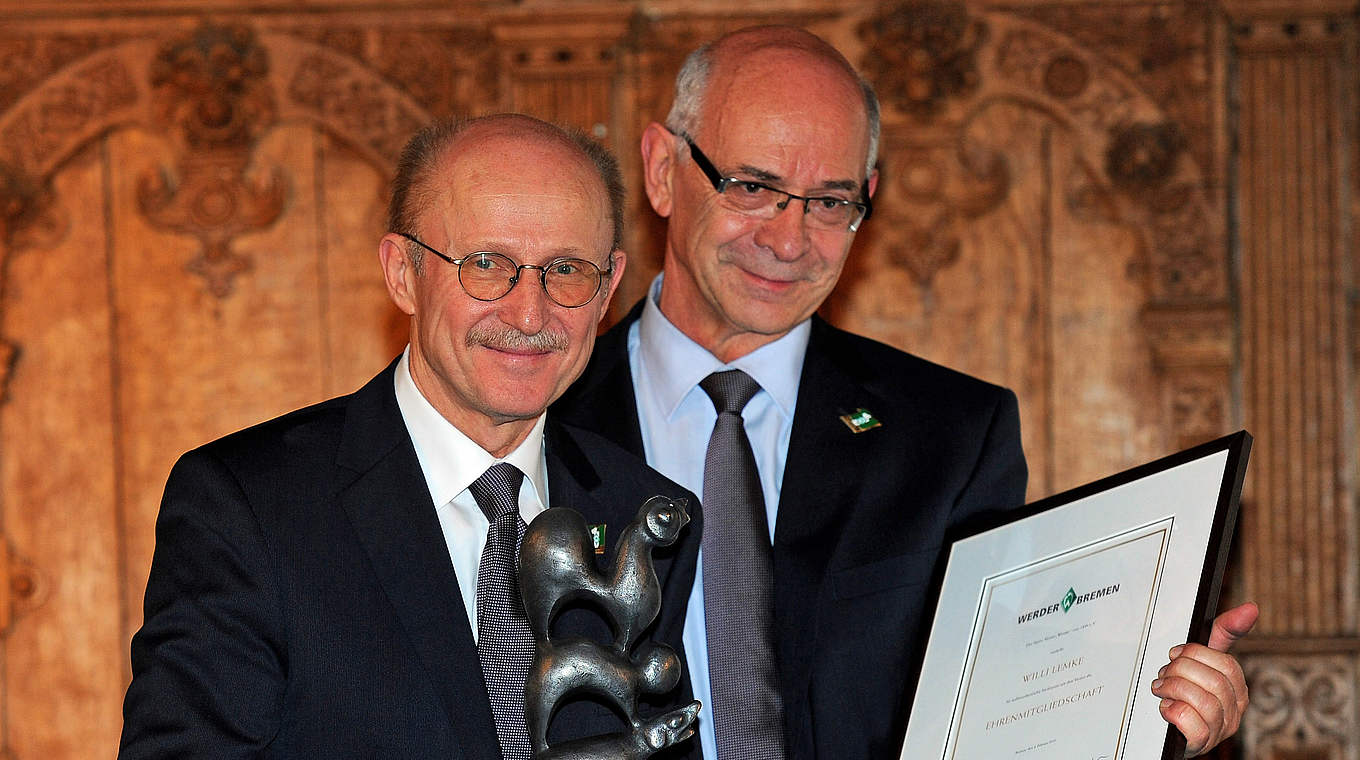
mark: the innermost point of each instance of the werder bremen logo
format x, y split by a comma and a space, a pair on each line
1070, 599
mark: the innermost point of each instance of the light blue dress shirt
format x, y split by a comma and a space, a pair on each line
677, 419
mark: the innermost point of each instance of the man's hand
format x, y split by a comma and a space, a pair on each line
1203, 690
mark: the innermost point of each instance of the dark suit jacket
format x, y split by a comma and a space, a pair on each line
862, 520
302, 602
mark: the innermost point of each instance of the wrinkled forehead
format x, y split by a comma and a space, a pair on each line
521, 177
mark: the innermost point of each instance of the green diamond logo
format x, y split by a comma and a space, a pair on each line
1068, 600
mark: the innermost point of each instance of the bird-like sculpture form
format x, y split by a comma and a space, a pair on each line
556, 570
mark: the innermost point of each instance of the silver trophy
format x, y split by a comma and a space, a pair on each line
557, 568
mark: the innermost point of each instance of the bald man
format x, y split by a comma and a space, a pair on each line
867, 457
338, 582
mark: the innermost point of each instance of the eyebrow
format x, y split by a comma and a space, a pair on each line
761, 175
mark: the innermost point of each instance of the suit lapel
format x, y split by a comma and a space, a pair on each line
389, 505
822, 474
574, 482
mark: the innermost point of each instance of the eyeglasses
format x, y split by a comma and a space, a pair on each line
746, 196
488, 276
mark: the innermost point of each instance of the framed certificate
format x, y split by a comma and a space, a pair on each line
1050, 629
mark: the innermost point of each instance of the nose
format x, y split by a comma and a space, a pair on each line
525, 307
786, 233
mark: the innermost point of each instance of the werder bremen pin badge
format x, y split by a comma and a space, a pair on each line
861, 420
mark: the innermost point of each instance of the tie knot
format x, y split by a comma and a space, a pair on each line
729, 390
497, 490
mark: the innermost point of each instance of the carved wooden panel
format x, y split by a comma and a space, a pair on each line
1044, 221
1303, 708
1296, 286
1137, 215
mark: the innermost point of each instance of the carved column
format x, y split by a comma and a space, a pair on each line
1295, 88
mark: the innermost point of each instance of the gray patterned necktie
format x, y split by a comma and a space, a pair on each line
504, 643
747, 710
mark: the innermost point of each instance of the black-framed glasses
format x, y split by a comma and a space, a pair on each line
754, 198
488, 276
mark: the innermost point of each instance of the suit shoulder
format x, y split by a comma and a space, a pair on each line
297, 438
897, 373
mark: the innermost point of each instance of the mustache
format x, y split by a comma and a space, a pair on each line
508, 338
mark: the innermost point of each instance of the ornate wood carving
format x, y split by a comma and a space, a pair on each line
45, 126
212, 95
1192, 348
922, 54
26, 60
449, 67
1167, 48
1139, 162
930, 193
1117, 236
355, 104
1302, 707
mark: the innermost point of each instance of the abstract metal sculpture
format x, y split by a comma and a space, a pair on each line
557, 569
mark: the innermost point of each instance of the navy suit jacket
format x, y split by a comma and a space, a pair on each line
302, 603
862, 520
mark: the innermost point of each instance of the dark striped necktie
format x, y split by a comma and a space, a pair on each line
504, 643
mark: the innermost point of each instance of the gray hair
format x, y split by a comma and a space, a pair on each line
692, 82
412, 193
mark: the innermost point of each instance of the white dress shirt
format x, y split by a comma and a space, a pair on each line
677, 419
451, 462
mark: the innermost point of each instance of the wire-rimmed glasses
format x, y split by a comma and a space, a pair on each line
488, 276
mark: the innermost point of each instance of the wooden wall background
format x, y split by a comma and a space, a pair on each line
1140, 215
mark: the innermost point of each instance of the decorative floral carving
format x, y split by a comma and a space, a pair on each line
1037, 61
214, 201
1197, 411
1301, 704
1162, 45
922, 53
1066, 76
1142, 157
354, 101
933, 193
212, 94
26, 60
442, 83
64, 112
210, 88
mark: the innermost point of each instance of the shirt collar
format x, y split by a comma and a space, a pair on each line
451, 460
675, 363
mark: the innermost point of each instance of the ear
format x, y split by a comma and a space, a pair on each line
659, 158
398, 271
873, 182
620, 262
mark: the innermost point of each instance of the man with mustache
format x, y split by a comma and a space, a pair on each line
339, 582
866, 457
